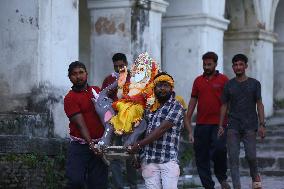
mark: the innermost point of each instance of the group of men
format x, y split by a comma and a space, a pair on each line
226, 114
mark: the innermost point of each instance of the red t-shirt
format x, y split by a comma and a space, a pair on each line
80, 102
108, 81
208, 93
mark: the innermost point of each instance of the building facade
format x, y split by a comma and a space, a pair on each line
39, 39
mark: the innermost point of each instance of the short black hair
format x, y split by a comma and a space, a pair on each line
240, 57
119, 56
210, 55
75, 64
163, 73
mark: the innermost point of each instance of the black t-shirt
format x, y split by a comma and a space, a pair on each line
241, 98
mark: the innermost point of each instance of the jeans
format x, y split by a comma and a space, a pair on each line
117, 176
84, 169
248, 137
207, 147
116, 169
164, 175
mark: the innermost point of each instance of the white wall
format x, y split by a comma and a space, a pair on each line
58, 47
122, 26
190, 29
279, 53
39, 39
19, 51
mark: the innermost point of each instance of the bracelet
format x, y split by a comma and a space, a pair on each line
91, 144
139, 147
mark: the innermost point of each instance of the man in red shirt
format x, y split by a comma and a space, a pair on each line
119, 61
206, 93
84, 165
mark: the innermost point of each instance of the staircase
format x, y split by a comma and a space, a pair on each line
270, 151
28, 133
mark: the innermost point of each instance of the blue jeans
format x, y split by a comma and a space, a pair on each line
116, 169
207, 147
84, 169
248, 137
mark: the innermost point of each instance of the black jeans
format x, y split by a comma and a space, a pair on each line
208, 146
84, 169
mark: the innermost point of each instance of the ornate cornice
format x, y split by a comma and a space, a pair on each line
154, 5
195, 20
254, 34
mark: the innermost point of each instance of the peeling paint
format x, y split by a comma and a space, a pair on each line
105, 26
43, 97
121, 27
74, 4
139, 22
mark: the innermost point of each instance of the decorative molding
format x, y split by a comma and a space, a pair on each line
259, 34
153, 5
195, 20
110, 4
159, 5
278, 47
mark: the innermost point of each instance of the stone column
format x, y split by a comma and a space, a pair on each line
127, 26
258, 46
189, 31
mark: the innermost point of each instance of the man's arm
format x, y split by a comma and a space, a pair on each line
154, 135
223, 111
81, 125
260, 113
187, 119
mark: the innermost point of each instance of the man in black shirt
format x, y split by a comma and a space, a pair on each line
242, 95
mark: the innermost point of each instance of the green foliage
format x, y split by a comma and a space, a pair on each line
53, 166
279, 104
186, 151
186, 157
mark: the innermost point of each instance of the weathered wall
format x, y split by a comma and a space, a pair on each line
84, 33
250, 33
126, 26
38, 41
279, 53
190, 29
19, 52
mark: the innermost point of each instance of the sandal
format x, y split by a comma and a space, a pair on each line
256, 185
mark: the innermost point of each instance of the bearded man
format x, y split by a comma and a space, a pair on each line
159, 148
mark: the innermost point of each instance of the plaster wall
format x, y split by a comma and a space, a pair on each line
58, 47
193, 7
19, 51
182, 54
110, 33
126, 26
279, 53
188, 33
260, 65
39, 39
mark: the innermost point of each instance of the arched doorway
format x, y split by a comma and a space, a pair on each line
278, 54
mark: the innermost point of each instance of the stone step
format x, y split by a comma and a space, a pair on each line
27, 124
24, 144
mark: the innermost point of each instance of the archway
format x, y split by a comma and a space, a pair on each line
278, 54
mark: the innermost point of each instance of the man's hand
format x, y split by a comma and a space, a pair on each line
190, 138
97, 151
220, 131
261, 131
134, 148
